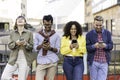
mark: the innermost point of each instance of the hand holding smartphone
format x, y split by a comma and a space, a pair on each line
20, 42
74, 44
100, 42
74, 41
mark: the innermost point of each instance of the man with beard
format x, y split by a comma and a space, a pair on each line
99, 44
47, 44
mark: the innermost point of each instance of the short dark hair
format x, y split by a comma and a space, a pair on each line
48, 18
98, 18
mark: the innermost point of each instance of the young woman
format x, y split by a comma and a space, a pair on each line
73, 47
21, 45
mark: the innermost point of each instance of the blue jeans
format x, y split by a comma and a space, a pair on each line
98, 71
73, 68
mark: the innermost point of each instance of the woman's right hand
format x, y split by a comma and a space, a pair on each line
74, 45
20, 43
96, 45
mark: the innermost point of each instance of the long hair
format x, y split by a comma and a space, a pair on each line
68, 27
15, 26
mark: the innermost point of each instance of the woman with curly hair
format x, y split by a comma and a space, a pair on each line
73, 47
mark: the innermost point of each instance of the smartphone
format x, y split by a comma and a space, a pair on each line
74, 41
100, 42
21, 39
46, 40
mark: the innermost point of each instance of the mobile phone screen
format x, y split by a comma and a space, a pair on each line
74, 41
46, 40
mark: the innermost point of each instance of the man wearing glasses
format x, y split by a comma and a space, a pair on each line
99, 44
47, 44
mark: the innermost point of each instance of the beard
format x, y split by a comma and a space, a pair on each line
98, 30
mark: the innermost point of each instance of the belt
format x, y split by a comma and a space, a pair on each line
74, 57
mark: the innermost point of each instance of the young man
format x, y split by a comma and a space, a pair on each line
99, 44
47, 44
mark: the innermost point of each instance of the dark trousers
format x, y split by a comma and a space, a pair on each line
73, 68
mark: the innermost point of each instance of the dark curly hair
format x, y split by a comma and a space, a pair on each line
15, 26
68, 27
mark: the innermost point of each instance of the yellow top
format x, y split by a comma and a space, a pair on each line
65, 47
